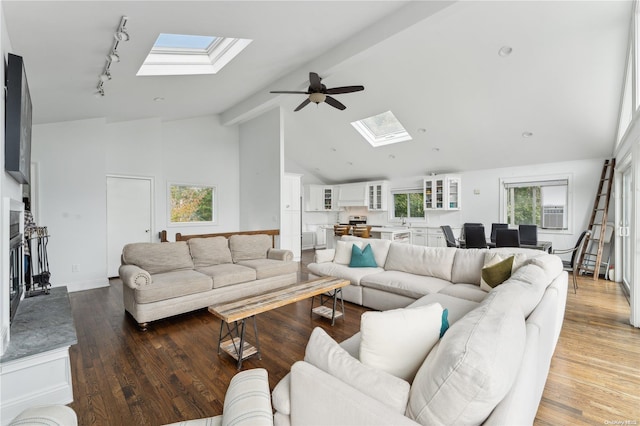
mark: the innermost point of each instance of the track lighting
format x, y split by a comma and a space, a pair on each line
120, 35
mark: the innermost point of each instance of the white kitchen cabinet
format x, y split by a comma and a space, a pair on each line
377, 195
319, 198
442, 192
435, 238
419, 236
290, 219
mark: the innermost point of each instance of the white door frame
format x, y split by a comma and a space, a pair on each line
152, 191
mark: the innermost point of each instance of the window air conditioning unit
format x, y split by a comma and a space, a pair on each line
553, 217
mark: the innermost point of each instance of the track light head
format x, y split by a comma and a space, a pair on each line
105, 76
113, 57
121, 35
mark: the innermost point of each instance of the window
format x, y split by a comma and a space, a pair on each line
181, 54
408, 204
381, 129
191, 204
542, 202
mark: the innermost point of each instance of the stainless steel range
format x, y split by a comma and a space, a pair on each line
357, 220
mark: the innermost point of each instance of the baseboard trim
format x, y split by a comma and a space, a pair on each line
87, 285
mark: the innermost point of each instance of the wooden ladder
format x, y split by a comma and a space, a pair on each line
590, 257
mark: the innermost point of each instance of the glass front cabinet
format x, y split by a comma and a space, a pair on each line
377, 195
442, 192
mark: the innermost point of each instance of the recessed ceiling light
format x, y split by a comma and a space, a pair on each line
392, 156
158, 99
333, 149
350, 163
422, 130
435, 149
505, 51
527, 134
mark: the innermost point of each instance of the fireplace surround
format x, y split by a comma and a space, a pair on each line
16, 267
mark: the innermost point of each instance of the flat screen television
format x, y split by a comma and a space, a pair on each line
17, 128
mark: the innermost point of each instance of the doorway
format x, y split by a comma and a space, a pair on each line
129, 215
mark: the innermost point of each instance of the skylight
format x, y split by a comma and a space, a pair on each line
183, 54
382, 129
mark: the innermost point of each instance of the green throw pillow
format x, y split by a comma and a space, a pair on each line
498, 273
362, 258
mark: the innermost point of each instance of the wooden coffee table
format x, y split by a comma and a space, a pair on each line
234, 314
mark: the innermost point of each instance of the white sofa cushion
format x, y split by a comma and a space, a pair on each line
471, 292
467, 266
332, 269
472, 368
525, 287
397, 341
323, 352
429, 261
404, 283
343, 251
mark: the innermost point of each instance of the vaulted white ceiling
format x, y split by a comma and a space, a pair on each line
434, 64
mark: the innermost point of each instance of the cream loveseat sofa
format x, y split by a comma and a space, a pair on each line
490, 367
166, 279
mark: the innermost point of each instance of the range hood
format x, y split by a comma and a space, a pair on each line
353, 195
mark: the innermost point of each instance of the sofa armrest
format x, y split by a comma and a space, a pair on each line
326, 255
318, 398
46, 415
280, 254
134, 276
248, 400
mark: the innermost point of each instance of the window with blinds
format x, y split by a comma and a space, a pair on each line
541, 202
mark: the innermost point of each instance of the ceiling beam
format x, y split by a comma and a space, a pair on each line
331, 61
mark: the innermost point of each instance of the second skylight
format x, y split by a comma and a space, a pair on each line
382, 129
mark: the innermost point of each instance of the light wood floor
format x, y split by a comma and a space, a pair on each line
172, 372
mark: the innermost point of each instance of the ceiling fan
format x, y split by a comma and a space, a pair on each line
318, 92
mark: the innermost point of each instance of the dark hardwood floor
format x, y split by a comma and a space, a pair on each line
172, 372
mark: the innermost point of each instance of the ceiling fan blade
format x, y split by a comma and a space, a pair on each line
289, 91
334, 103
345, 89
314, 82
302, 105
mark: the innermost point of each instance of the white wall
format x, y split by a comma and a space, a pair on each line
261, 168
74, 159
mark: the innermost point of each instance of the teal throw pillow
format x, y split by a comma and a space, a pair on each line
445, 322
362, 258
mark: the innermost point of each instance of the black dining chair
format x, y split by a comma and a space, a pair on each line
474, 236
507, 237
495, 227
449, 237
528, 234
467, 224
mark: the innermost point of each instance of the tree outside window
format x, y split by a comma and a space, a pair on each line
191, 204
409, 204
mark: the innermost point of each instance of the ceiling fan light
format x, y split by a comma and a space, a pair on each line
317, 97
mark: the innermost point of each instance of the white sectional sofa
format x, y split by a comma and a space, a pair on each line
490, 367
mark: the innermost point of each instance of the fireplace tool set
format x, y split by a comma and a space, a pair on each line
37, 274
